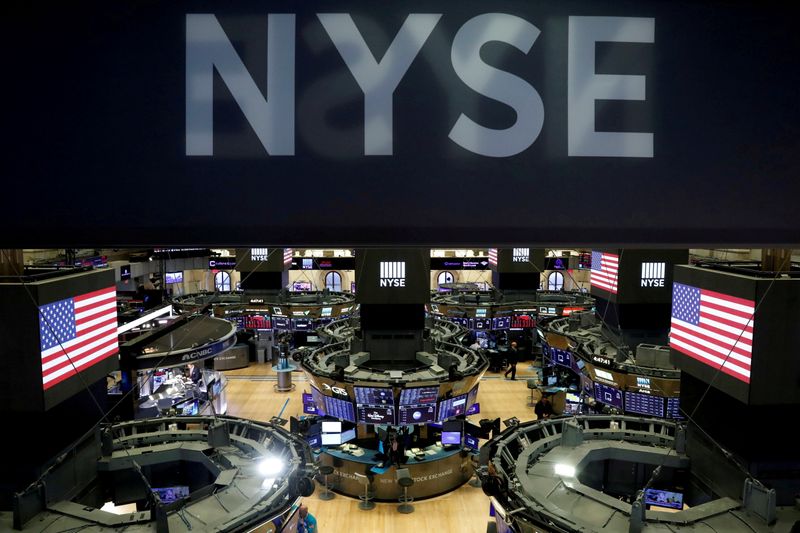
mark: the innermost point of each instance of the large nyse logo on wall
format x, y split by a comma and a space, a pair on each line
653, 274
259, 254
393, 274
521, 255
210, 53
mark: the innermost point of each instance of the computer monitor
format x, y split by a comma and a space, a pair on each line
331, 426
173, 277
331, 439
471, 442
172, 494
551, 381
474, 409
455, 406
663, 498
451, 437
416, 414
315, 441
348, 435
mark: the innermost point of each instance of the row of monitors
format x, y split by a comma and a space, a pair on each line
376, 405
637, 402
334, 438
496, 323
277, 322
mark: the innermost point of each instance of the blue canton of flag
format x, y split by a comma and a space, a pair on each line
57, 324
596, 260
686, 303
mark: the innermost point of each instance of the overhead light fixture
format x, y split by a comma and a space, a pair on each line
564, 470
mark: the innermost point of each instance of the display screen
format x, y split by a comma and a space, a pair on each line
451, 437
300, 286
454, 406
342, 409
644, 404
125, 272
172, 494
331, 427
471, 442
315, 441
674, 408
608, 395
309, 405
523, 321
374, 414
374, 396
501, 322
419, 395
663, 498
348, 435
173, 277
326, 311
474, 409
280, 322
416, 414
331, 439
480, 312
319, 400
472, 397
463, 322
301, 323
561, 357
256, 322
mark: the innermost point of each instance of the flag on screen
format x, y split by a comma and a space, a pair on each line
287, 256
493, 256
76, 333
708, 325
605, 268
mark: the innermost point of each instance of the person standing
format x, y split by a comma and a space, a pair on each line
512, 356
307, 522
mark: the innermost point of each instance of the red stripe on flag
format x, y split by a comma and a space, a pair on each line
711, 364
80, 368
685, 336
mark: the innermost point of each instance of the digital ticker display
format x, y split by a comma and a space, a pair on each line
674, 408
342, 409
374, 396
416, 414
375, 414
644, 404
418, 395
455, 406
608, 395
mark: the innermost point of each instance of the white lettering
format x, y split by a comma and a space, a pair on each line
584, 86
496, 84
378, 79
208, 49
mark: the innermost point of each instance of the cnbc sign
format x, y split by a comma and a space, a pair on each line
210, 52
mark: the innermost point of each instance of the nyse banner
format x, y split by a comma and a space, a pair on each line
382, 122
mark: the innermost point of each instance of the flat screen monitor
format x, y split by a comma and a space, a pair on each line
172, 494
416, 414
472, 396
300, 286
455, 406
312, 338
331, 439
501, 322
173, 277
375, 414
480, 312
608, 395
315, 441
125, 272
331, 426
474, 409
551, 381
190, 409
419, 395
451, 437
374, 395
663, 498
348, 435
453, 425
301, 323
482, 324
281, 322
342, 409
326, 311
471, 442
319, 400
644, 404
573, 398
674, 409
561, 357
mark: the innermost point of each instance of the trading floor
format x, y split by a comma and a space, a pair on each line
251, 395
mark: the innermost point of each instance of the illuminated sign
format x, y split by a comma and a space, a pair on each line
259, 254
393, 274
602, 374
521, 255
653, 274
601, 360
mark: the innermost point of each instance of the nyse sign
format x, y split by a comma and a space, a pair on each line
272, 116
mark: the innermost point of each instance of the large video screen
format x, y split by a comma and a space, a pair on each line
375, 414
644, 404
608, 395
674, 409
416, 414
419, 395
393, 275
472, 396
561, 357
455, 406
319, 400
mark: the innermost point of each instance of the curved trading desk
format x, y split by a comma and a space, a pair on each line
440, 471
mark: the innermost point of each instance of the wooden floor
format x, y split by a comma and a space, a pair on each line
251, 394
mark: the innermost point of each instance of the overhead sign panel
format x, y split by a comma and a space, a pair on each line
366, 115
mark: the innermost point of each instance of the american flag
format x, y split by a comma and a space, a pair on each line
76, 333
287, 256
708, 325
605, 268
493, 256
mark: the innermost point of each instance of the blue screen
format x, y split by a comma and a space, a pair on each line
471, 442
342, 409
455, 406
608, 395
474, 409
172, 494
416, 414
644, 404
451, 437
663, 498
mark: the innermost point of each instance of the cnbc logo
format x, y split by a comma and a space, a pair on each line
520, 255
653, 274
393, 274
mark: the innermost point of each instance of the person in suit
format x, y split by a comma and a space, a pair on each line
194, 373
512, 356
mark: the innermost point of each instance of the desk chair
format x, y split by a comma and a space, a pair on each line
365, 504
326, 470
405, 480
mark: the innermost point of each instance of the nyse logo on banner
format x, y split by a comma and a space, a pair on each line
259, 254
271, 114
653, 274
393, 274
521, 255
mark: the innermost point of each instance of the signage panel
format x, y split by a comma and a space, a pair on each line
370, 113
